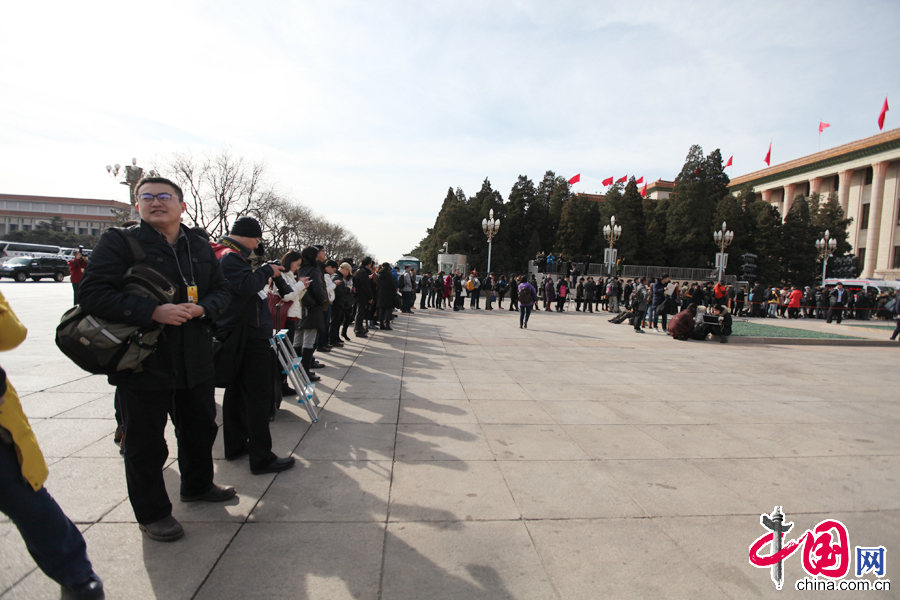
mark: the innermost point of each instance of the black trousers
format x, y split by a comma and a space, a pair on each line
361, 311
638, 318
836, 312
247, 406
144, 415
53, 541
337, 320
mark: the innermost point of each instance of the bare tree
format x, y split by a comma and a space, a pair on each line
217, 187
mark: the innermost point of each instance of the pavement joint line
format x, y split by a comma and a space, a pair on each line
387, 516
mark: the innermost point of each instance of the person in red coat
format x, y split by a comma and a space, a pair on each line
794, 300
76, 271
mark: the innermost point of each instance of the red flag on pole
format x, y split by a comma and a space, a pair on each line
640, 180
607, 181
823, 125
644, 189
883, 112
622, 179
728, 164
575, 179
769, 155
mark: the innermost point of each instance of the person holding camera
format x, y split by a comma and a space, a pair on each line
312, 323
76, 270
250, 393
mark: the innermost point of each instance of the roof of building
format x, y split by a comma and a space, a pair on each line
660, 184
592, 197
60, 200
869, 146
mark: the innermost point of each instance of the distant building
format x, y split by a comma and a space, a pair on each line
659, 189
82, 215
866, 176
591, 197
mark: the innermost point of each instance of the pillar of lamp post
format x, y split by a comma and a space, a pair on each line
825, 247
723, 238
490, 226
612, 233
130, 176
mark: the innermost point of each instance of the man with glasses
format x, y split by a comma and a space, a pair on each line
178, 378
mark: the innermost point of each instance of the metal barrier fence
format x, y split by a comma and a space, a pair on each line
632, 271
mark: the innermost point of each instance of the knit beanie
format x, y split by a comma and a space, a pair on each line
246, 227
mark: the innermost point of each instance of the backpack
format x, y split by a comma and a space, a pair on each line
470, 285
103, 347
642, 295
526, 296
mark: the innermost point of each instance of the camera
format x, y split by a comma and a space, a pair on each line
281, 286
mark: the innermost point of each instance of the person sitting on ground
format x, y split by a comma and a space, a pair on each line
682, 324
723, 329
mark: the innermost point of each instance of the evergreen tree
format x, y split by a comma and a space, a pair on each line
519, 237
698, 189
798, 259
764, 239
827, 215
570, 233
633, 206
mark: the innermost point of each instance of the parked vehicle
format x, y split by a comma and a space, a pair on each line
13, 249
21, 268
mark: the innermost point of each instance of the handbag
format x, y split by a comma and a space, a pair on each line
104, 347
279, 310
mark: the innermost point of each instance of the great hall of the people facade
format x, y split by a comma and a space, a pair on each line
866, 176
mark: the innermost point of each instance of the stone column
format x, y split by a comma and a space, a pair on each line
767, 196
844, 178
815, 184
788, 199
875, 207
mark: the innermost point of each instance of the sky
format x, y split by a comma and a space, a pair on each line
369, 111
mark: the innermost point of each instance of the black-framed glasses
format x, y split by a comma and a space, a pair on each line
164, 197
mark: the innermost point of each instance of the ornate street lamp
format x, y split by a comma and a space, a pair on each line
130, 176
826, 247
490, 226
612, 233
723, 238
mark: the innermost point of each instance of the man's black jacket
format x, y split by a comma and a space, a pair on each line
184, 357
361, 286
245, 285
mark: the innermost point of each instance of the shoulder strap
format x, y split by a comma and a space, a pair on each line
137, 253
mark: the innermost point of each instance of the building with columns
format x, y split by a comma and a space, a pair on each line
866, 176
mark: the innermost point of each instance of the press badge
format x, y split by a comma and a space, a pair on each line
193, 294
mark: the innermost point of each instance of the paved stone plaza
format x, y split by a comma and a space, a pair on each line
461, 457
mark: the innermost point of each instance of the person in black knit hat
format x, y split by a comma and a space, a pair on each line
247, 404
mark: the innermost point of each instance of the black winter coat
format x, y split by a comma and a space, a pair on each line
314, 299
245, 284
343, 298
361, 286
184, 357
387, 289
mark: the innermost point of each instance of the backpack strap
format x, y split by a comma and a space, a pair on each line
137, 253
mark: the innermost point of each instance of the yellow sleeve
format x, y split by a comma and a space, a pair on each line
12, 332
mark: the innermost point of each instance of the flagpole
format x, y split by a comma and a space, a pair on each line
819, 149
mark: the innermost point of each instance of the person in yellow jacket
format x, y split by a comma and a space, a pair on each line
52, 539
